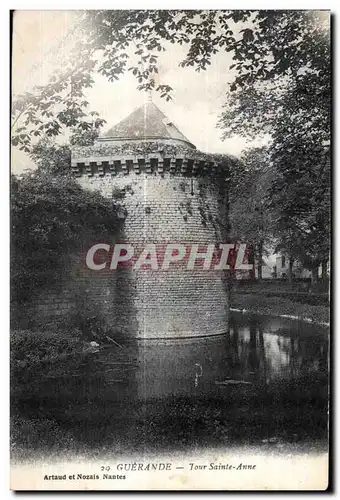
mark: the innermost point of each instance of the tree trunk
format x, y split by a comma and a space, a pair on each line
315, 275
290, 270
259, 264
251, 260
324, 270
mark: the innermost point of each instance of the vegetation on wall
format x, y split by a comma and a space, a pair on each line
159, 148
51, 219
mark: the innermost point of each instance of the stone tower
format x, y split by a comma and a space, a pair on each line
172, 193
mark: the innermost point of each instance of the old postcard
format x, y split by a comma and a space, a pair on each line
170, 249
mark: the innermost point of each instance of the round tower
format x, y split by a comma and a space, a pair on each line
172, 194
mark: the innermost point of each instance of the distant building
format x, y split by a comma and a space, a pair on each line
277, 267
281, 268
267, 270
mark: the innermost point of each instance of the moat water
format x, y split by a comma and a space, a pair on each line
264, 383
255, 352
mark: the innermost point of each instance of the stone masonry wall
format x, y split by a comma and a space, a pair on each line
161, 209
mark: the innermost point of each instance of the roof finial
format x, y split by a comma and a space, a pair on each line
150, 96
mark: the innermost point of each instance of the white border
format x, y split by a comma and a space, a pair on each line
4, 178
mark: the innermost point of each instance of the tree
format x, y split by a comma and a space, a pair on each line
52, 158
55, 159
301, 196
290, 98
112, 43
251, 220
269, 48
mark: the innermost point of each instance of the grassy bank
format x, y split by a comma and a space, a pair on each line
276, 306
263, 416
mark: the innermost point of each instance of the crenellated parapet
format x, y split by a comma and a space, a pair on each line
150, 158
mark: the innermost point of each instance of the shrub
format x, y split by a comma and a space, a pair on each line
53, 218
42, 346
38, 433
49, 370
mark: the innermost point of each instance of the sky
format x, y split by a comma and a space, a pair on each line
41, 41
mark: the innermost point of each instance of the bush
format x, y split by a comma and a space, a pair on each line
50, 370
52, 219
38, 433
33, 347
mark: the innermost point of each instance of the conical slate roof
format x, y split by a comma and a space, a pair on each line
147, 122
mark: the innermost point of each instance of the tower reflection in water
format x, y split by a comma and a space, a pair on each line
255, 350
